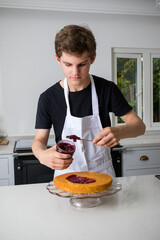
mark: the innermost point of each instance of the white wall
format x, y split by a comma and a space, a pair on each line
27, 63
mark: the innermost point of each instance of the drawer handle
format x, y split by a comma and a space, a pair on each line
144, 158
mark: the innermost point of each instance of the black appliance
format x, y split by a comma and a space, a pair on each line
116, 153
27, 168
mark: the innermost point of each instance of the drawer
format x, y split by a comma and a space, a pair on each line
139, 172
4, 167
142, 158
4, 182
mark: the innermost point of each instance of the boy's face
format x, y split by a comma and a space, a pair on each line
75, 68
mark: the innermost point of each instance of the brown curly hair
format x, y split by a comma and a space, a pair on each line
75, 39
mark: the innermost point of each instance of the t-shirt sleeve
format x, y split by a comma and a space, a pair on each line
119, 104
43, 118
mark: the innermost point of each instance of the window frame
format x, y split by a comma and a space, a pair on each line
147, 85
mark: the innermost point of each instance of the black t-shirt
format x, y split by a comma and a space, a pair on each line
52, 106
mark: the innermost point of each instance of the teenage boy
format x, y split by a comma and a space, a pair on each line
80, 105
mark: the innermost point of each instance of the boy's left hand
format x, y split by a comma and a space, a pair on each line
107, 137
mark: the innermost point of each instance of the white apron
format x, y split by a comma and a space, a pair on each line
87, 156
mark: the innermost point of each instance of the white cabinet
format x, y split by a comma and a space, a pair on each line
141, 161
6, 170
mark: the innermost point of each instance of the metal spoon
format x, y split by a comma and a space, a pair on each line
86, 139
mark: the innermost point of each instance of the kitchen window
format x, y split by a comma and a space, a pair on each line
155, 78
137, 74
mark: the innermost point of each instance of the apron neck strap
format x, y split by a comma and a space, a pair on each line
66, 94
95, 108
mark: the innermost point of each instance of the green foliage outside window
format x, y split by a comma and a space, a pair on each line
156, 89
127, 79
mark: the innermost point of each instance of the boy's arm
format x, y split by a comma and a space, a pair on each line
110, 136
40, 141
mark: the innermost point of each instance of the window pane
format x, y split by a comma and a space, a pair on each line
156, 89
127, 80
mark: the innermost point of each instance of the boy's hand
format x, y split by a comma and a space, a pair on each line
55, 160
107, 137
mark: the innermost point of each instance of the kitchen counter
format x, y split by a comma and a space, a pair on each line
8, 149
30, 212
149, 139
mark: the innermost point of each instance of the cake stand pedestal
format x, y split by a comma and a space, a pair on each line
85, 202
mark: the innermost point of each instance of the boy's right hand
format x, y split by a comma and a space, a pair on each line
55, 160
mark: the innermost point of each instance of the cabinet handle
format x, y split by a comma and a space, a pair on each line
144, 158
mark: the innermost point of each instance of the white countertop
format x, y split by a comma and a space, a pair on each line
8, 149
150, 138
30, 212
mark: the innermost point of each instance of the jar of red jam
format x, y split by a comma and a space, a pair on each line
66, 146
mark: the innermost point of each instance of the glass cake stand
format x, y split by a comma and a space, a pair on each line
88, 200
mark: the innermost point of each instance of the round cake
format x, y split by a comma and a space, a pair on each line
83, 182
